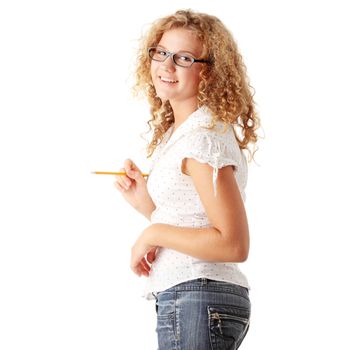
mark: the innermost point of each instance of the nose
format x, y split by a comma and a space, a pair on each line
168, 65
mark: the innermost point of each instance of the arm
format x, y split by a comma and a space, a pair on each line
147, 209
227, 239
146, 206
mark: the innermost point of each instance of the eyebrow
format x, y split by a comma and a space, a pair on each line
182, 51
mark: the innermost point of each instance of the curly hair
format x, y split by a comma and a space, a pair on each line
224, 86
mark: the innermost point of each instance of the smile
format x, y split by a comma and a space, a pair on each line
168, 80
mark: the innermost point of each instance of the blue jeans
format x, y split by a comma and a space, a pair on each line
202, 314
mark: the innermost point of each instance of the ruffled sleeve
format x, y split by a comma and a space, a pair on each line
214, 148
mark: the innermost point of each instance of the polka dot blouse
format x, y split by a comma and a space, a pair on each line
178, 203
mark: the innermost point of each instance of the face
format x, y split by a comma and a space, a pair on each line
174, 83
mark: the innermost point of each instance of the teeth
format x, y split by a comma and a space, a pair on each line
168, 80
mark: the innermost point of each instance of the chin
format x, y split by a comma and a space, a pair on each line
164, 96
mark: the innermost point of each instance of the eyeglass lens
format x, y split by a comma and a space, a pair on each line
179, 58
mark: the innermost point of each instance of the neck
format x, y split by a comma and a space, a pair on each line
182, 111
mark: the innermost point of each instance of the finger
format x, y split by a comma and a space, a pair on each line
136, 270
151, 256
132, 170
143, 268
137, 267
119, 187
139, 270
130, 165
145, 265
122, 184
124, 180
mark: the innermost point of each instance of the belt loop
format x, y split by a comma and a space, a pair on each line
204, 281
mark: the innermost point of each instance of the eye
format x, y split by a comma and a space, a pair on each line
184, 58
160, 52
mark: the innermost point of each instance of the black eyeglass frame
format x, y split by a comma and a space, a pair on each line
172, 54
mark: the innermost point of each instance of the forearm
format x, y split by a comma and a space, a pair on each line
146, 208
202, 243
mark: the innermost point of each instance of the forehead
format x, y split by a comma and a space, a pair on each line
181, 39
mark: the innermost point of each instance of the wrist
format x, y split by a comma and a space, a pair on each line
151, 234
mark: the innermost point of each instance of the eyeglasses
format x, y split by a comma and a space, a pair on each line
180, 59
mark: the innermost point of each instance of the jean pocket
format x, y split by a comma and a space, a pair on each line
228, 326
165, 305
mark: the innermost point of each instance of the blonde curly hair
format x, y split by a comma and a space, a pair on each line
224, 86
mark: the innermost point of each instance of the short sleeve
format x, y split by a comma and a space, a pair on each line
214, 148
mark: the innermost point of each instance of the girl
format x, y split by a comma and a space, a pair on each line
203, 117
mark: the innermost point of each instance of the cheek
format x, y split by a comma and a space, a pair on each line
153, 71
197, 73
194, 79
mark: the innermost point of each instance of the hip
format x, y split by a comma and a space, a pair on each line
202, 314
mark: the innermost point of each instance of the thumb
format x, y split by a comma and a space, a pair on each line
132, 170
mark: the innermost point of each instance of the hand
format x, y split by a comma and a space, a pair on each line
142, 255
133, 187
132, 182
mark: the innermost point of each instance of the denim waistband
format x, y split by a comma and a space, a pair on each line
205, 284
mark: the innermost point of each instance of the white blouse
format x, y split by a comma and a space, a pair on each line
178, 203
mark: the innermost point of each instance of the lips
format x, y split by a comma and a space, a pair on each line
167, 80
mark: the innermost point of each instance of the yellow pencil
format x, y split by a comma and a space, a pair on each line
112, 173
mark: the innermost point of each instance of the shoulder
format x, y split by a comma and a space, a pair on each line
203, 127
217, 143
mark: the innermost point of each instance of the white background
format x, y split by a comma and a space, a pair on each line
66, 110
